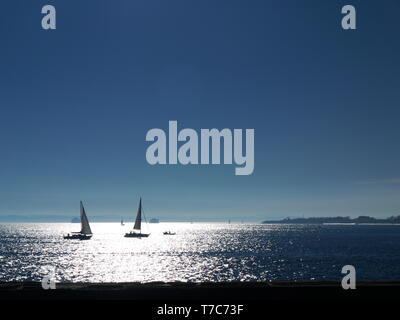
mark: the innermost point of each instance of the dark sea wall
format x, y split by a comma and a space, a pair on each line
238, 291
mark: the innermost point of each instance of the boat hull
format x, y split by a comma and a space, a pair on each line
78, 236
136, 235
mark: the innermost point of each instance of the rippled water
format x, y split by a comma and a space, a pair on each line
199, 252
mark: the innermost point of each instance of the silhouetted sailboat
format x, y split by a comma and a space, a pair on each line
122, 222
138, 225
86, 232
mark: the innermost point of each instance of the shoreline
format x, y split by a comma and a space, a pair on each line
180, 291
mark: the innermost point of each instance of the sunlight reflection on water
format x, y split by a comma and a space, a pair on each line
198, 252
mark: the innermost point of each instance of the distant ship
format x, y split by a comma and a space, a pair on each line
86, 232
154, 220
138, 225
122, 222
75, 220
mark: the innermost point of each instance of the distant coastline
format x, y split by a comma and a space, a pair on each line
117, 219
336, 220
55, 218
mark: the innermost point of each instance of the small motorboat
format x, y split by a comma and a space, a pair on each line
169, 233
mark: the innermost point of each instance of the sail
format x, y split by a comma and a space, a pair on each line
84, 222
138, 221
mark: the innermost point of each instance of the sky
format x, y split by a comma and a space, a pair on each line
76, 104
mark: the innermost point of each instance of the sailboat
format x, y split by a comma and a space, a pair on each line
122, 222
138, 225
86, 232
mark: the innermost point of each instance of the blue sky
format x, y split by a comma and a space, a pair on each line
76, 104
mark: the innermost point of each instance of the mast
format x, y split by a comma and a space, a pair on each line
138, 221
85, 227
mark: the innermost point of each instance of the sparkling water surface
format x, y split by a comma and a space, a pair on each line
199, 252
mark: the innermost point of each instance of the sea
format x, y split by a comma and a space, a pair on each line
199, 252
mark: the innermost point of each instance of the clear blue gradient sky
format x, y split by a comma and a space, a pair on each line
76, 104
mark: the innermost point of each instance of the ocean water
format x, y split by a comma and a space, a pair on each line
199, 252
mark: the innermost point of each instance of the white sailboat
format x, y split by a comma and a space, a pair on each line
138, 225
86, 232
